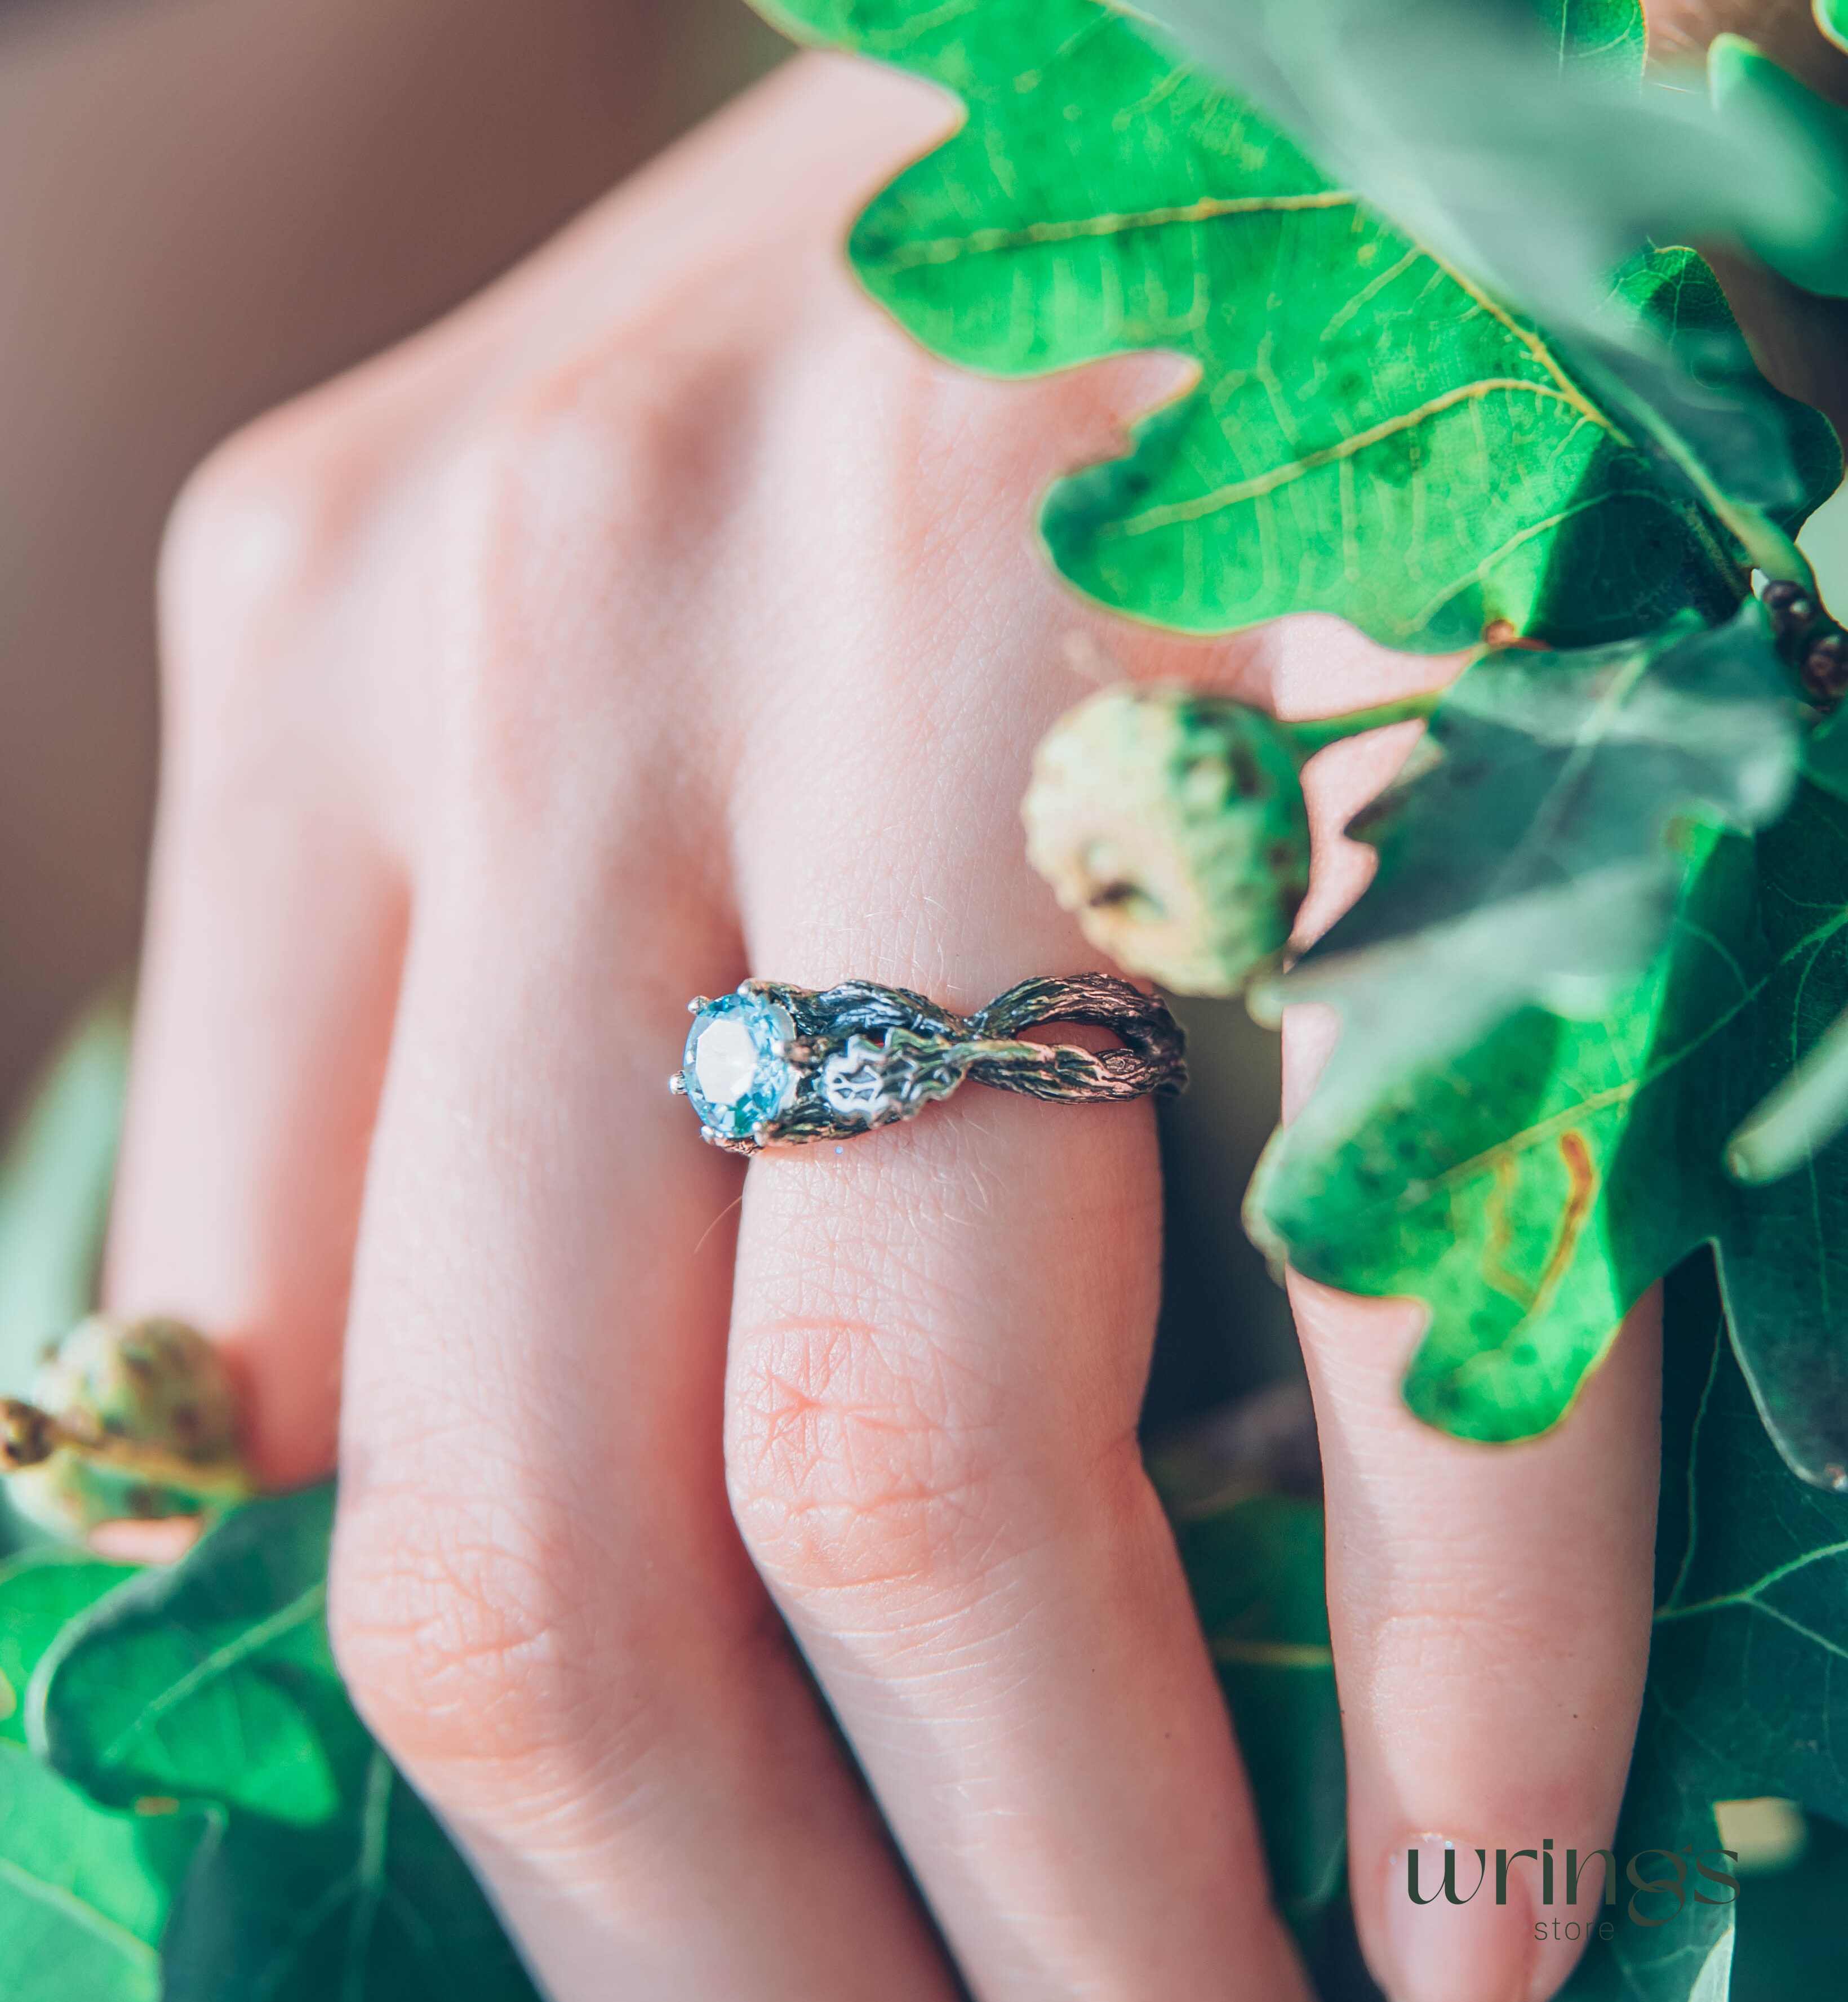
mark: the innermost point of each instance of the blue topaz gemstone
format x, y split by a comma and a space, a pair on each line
732, 1072
775, 1065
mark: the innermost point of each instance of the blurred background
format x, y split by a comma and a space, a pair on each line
206, 206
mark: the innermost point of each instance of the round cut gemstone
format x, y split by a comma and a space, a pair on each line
732, 1072
724, 1061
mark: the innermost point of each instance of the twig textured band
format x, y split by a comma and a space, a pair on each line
772, 1063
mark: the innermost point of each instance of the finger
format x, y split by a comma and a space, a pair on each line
265, 1006
538, 1595
938, 1355
1490, 1606
939, 1342
938, 1351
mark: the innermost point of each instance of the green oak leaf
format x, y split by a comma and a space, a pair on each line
1530, 1188
1750, 1630
1789, 1933
41, 1591
1747, 85
212, 1682
377, 1907
212, 1679
1360, 405
1534, 849
1241, 1491
1826, 755
1478, 129
1255, 1567
1607, 35
84, 1893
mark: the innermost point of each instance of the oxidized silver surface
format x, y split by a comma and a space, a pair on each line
864, 1055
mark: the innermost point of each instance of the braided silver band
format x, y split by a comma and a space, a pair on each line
790, 1065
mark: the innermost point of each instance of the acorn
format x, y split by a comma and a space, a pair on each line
1172, 825
126, 1420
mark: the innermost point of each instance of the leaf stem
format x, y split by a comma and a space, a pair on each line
1770, 549
1316, 733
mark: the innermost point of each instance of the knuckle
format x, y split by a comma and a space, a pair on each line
626, 450
861, 1460
244, 545
459, 1631
527, 1673
624, 457
251, 565
575, 523
251, 527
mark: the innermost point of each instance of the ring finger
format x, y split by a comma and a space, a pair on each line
940, 1336
538, 1593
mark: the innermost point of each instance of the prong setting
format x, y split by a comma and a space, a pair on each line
771, 1064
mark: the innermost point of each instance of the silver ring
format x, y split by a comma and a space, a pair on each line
771, 1064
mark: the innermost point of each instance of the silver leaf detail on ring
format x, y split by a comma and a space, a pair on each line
772, 1063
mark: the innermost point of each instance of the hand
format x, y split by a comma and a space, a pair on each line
662, 618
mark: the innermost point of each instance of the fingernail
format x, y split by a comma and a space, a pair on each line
1461, 1946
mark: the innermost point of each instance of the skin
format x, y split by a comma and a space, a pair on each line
662, 617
